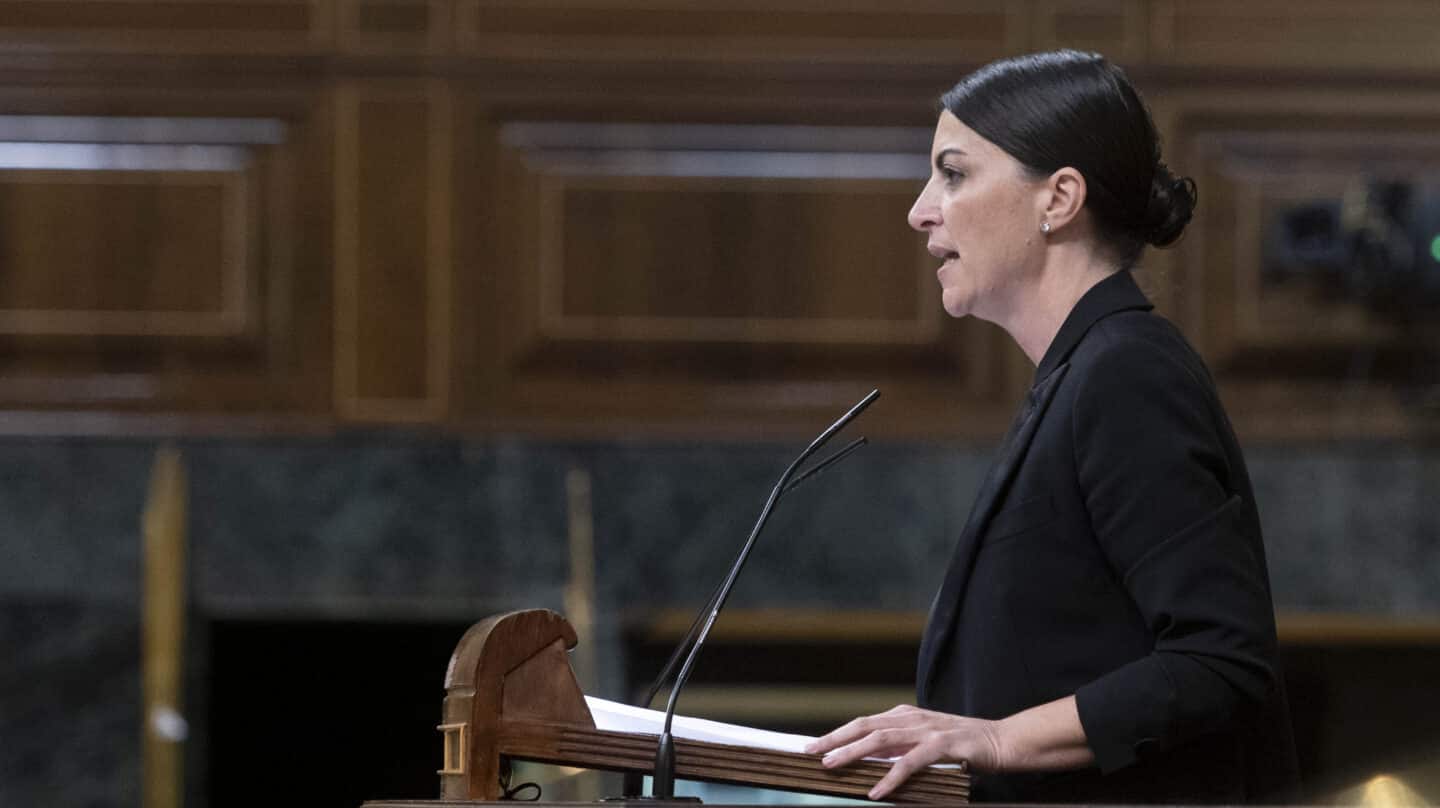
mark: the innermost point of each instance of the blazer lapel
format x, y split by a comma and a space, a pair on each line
941, 622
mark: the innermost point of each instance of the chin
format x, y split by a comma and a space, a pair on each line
955, 304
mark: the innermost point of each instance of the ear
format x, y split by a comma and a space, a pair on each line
1063, 197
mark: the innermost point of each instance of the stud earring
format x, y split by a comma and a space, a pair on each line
1044, 227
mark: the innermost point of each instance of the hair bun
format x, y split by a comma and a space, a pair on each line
1172, 202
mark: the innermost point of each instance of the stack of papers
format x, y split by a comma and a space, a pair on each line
617, 717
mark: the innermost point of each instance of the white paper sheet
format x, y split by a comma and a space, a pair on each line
617, 717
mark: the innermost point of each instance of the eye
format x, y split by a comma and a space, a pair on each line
951, 175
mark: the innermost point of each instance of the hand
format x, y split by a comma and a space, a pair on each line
917, 737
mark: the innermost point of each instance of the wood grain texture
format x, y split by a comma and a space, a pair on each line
476, 690
722, 763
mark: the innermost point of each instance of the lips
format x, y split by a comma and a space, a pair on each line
941, 251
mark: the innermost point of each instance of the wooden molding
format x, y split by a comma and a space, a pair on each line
384, 298
1116, 28
688, 31
1321, 34
380, 27
165, 26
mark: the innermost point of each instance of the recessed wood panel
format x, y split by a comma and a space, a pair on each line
150, 261
694, 29
684, 276
1321, 34
124, 253
392, 249
749, 261
130, 227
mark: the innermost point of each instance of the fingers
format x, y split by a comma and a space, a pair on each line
857, 728
919, 757
838, 737
880, 743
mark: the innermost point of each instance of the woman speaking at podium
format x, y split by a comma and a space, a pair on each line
1104, 632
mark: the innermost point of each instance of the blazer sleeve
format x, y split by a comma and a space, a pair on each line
1153, 469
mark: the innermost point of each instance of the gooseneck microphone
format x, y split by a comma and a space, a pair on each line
663, 786
679, 652
633, 781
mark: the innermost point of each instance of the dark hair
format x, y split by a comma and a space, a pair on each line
1067, 108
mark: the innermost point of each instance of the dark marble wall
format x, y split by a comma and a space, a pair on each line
412, 527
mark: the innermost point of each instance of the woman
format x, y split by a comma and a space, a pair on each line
1105, 631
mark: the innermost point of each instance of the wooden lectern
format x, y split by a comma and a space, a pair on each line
510, 694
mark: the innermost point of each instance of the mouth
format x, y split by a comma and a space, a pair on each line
940, 251
946, 255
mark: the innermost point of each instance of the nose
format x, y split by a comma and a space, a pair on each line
925, 213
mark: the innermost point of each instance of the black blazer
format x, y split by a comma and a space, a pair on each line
1114, 553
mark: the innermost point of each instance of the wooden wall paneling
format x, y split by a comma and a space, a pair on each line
1305, 354
149, 257
166, 26
396, 26
489, 233
1117, 28
393, 251
299, 279
688, 31
1324, 35
316, 272
82, 232
683, 277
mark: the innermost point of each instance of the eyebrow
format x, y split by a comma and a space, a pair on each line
943, 153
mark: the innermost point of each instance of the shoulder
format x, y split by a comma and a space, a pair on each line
1136, 349
1134, 374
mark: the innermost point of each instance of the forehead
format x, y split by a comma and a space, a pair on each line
950, 133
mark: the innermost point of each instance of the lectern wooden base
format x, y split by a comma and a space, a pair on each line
510, 694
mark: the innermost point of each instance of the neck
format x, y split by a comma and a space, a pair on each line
1067, 275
